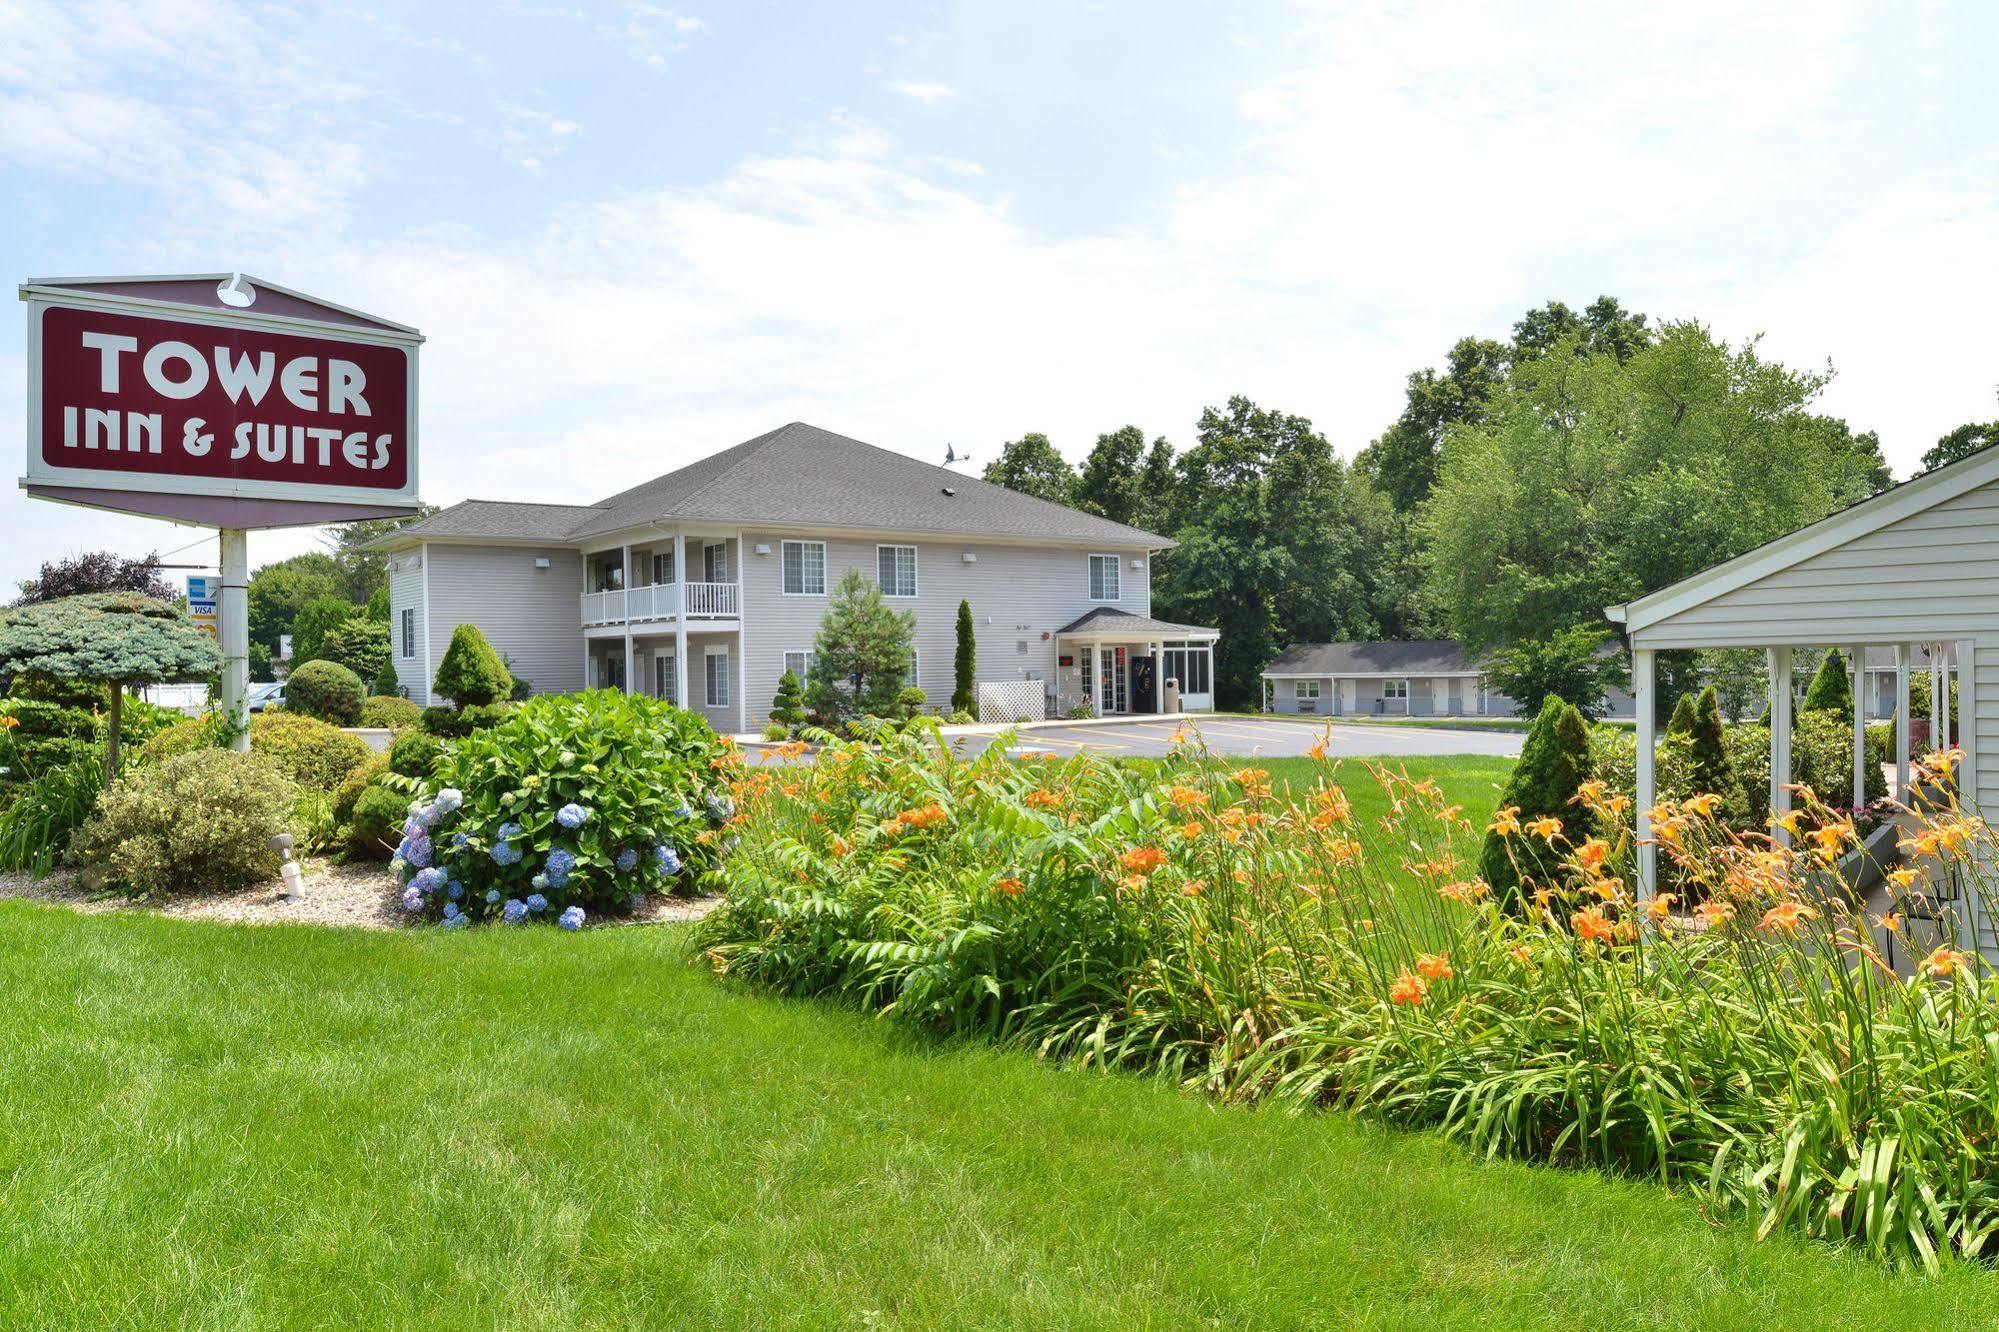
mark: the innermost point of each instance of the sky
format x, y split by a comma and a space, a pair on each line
634, 234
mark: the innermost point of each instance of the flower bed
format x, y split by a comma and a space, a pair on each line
575, 805
1191, 922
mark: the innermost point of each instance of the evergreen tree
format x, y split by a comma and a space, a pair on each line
1683, 717
788, 708
386, 681
860, 659
1830, 690
1554, 763
313, 622
1707, 753
471, 674
965, 696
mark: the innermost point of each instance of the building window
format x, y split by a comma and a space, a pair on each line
1306, 688
611, 674
799, 664
804, 568
1192, 665
666, 678
895, 569
409, 632
915, 673
1089, 667
718, 677
662, 567
1395, 689
1104, 578
715, 562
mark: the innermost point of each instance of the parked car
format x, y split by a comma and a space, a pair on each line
264, 695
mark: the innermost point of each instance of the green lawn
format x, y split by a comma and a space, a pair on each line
215, 1126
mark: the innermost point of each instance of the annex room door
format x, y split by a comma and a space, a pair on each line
1111, 668
1144, 684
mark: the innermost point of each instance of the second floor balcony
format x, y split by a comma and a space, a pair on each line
661, 601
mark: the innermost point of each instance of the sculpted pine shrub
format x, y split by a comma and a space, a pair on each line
1554, 763
1761, 1050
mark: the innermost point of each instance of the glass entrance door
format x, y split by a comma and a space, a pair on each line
1111, 696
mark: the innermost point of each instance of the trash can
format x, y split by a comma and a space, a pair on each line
1169, 700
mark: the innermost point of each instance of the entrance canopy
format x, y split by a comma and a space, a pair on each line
1115, 660
1107, 624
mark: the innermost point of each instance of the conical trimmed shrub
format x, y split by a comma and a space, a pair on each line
1554, 763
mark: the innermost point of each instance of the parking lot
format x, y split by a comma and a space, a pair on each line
1249, 737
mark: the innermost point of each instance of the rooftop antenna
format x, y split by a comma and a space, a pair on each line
952, 457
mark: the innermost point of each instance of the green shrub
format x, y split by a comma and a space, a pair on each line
1083, 711
776, 731
326, 690
198, 822
965, 664
1822, 758
788, 708
348, 792
471, 672
360, 644
961, 718
376, 821
182, 738
391, 711
414, 753
313, 754
909, 701
45, 735
1554, 762
386, 682
588, 800
453, 722
1682, 722
49, 809
1830, 690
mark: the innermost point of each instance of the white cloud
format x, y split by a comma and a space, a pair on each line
928, 92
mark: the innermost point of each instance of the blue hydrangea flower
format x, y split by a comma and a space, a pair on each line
428, 881
451, 911
459, 841
457, 922
721, 808
560, 862
509, 831
399, 867
418, 853
454, 890
412, 827
403, 849
412, 898
505, 853
628, 860
668, 858
448, 800
638, 900
571, 918
571, 816
537, 903
515, 911
539, 881
492, 897
683, 811
428, 816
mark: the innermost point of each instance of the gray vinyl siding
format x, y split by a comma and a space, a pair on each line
1020, 595
1928, 577
532, 616
1353, 696
406, 592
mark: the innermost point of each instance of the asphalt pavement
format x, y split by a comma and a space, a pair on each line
1257, 737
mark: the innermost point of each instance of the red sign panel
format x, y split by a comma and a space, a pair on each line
169, 404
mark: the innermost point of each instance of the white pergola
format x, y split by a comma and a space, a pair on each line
1945, 666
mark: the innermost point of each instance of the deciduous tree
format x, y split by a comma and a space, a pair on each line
1032, 466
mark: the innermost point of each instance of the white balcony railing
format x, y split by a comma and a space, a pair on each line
661, 601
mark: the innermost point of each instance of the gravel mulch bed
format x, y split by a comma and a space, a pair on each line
361, 894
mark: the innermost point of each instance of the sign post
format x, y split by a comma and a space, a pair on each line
219, 401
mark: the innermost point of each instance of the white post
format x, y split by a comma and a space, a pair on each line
742, 652
1780, 739
1902, 722
680, 619
233, 631
1648, 751
625, 557
1940, 701
1857, 657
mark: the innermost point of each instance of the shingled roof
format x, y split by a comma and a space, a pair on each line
795, 476
1428, 656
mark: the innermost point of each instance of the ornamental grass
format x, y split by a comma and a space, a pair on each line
1750, 1045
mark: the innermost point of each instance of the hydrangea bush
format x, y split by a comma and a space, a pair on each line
578, 805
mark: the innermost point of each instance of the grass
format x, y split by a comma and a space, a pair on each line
206, 1125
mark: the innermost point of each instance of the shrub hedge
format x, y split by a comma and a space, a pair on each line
390, 710
196, 822
325, 690
312, 753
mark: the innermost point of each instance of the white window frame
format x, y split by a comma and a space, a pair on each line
915, 584
409, 633
709, 678
804, 584
665, 557
666, 677
1305, 689
915, 680
802, 671
707, 550
1116, 582
1389, 688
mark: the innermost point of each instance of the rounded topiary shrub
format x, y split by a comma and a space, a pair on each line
577, 804
316, 755
471, 672
183, 738
391, 711
326, 690
414, 752
376, 821
197, 822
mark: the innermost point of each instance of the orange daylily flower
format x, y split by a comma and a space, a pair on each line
1142, 860
1010, 886
1547, 828
1714, 912
1435, 966
1505, 821
1592, 926
1787, 917
1703, 805
1946, 962
1407, 989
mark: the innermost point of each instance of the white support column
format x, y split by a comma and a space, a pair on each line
625, 558
1940, 700
1902, 722
1856, 660
1648, 749
680, 620
742, 652
232, 624
1780, 739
